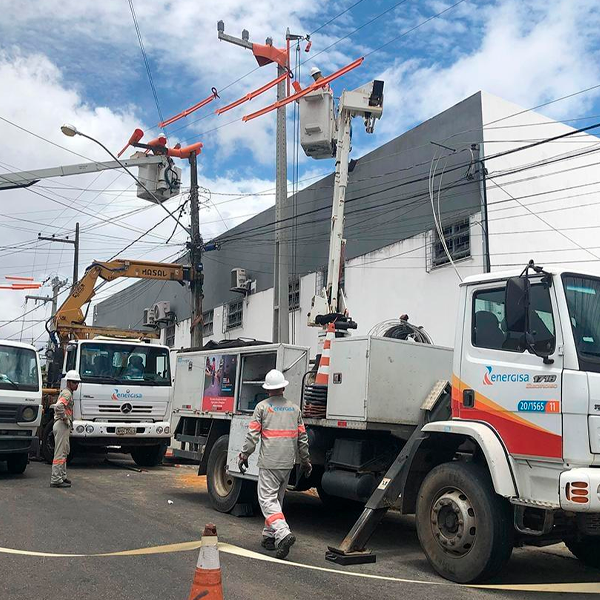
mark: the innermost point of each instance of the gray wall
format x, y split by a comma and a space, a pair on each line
387, 200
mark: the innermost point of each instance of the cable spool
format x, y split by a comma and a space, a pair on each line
401, 329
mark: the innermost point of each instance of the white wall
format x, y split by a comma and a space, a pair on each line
517, 235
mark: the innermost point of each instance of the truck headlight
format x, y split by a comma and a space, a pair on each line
29, 413
89, 429
159, 429
79, 428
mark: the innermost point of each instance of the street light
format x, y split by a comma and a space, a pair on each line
71, 131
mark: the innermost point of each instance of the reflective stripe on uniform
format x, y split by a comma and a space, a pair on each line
279, 433
254, 426
272, 518
301, 429
59, 461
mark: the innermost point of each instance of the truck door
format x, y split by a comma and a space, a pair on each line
505, 385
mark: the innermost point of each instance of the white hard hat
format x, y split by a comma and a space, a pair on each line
73, 375
314, 71
275, 380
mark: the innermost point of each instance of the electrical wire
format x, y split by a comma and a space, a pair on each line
145, 58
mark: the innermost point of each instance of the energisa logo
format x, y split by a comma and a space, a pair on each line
489, 377
126, 395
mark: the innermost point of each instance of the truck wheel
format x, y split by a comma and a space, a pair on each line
224, 490
17, 463
586, 549
464, 527
149, 456
48, 445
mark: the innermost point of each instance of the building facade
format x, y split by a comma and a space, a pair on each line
501, 195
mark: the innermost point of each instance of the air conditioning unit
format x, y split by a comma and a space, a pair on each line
162, 311
239, 281
149, 317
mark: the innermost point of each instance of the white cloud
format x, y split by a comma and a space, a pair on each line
530, 52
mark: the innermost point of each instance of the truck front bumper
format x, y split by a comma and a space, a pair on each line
121, 430
580, 490
12, 442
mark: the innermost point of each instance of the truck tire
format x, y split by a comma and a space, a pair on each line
48, 445
224, 490
149, 456
465, 529
586, 549
17, 463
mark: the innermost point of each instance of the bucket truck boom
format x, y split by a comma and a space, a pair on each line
319, 125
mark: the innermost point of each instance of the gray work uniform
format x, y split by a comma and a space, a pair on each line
277, 422
63, 424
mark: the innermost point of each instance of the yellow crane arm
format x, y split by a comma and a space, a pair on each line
69, 318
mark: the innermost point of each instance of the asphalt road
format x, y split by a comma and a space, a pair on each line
113, 509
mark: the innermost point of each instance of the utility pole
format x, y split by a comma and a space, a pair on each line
57, 284
75, 244
281, 271
281, 266
195, 247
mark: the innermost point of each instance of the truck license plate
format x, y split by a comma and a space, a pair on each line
125, 430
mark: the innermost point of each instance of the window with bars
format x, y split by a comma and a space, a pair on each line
170, 334
235, 314
207, 322
457, 236
294, 293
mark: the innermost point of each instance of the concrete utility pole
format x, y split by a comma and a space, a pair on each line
281, 265
57, 284
195, 247
75, 244
281, 272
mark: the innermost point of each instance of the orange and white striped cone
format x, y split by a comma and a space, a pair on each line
207, 578
315, 394
322, 377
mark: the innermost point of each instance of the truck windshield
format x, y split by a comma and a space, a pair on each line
18, 369
133, 364
583, 302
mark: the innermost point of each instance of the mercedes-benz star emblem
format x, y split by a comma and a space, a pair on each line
126, 408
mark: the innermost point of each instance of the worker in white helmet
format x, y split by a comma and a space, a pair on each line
316, 74
63, 425
277, 422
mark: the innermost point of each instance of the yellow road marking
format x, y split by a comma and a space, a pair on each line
573, 588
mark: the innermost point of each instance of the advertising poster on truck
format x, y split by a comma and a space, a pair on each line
219, 383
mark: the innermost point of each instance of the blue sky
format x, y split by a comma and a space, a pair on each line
79, 61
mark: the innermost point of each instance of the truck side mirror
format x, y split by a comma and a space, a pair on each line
516, 304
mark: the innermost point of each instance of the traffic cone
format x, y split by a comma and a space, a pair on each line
315, 394
207, 578
322, 377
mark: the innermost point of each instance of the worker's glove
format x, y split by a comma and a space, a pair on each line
306, 469
243, 462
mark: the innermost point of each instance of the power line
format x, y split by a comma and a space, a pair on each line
146, 61
336, 17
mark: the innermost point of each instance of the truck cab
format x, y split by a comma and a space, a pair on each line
20, 403
124, 399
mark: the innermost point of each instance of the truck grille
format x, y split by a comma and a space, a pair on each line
8, 413
112, 409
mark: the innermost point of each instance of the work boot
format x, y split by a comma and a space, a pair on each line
283, 548
268, 543
62, 484
65, 480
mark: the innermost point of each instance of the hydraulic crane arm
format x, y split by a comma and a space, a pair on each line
70, 319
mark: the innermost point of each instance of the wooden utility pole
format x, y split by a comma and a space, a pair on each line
195, 247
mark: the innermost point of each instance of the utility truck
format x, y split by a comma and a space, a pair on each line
493, 444
124, 399
20, 403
